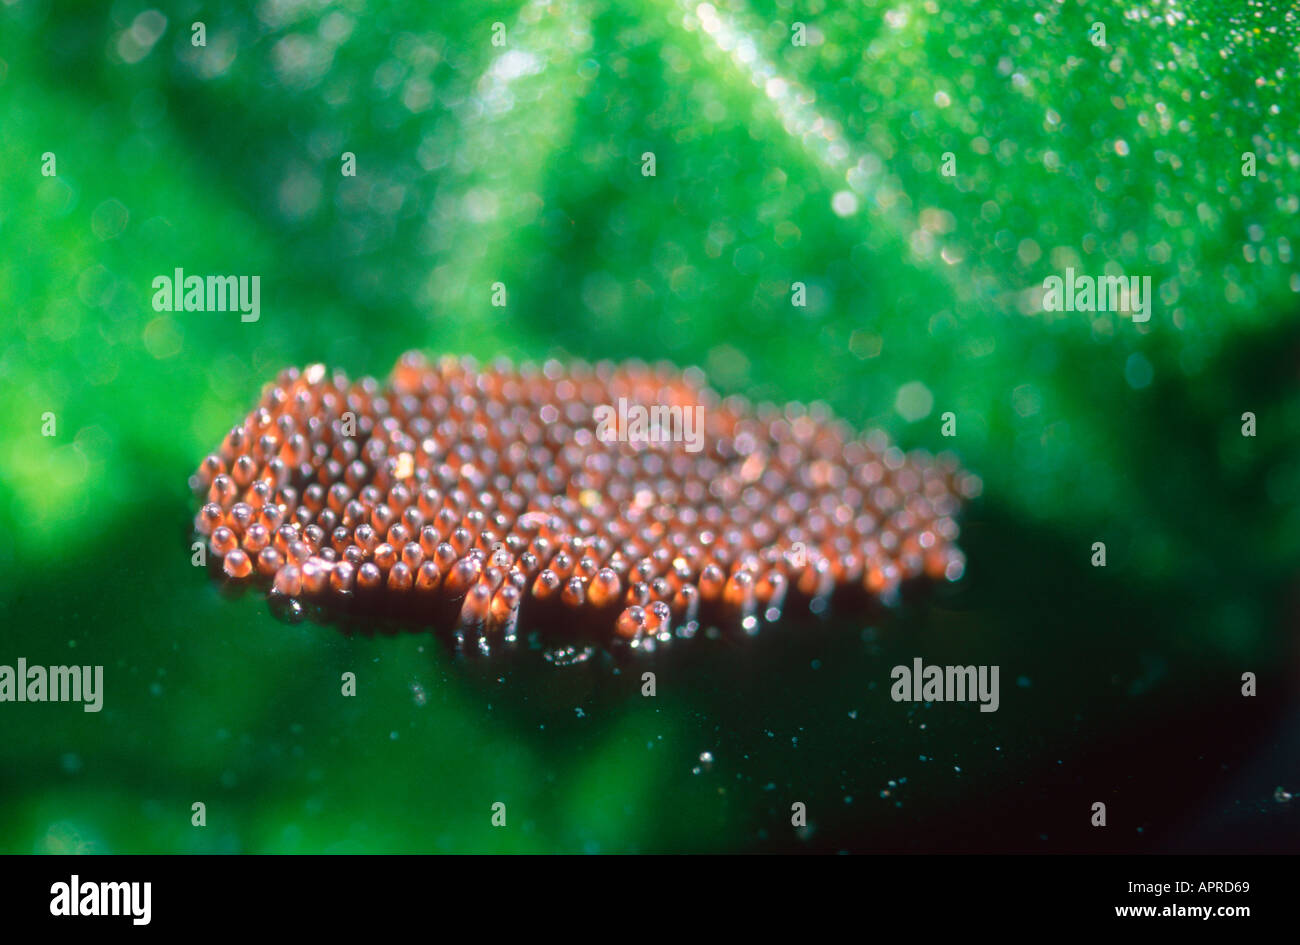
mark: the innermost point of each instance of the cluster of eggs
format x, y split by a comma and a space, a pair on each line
483, 500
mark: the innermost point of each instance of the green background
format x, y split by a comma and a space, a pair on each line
775, 164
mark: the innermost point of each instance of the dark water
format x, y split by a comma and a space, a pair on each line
210, 699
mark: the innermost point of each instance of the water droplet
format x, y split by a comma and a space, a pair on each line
569, 655
844, 203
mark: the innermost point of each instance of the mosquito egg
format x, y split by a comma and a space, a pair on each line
487, 495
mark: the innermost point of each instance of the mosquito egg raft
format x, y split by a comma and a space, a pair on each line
616, 505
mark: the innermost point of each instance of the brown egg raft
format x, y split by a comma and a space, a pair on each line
585, 506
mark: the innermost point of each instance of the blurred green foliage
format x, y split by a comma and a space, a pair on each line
776, 163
